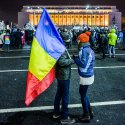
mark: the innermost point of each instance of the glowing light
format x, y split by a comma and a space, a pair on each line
87, 7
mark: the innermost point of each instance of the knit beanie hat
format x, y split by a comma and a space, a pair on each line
83, 38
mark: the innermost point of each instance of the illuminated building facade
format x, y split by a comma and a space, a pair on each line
103, 16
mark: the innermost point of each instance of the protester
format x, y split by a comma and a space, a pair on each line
104, 43
63, 74
18, 38
1, 39
120, 37
85, 63
112, 38
7, 40
65, 37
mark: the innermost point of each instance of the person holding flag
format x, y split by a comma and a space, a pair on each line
63, 74
47, 47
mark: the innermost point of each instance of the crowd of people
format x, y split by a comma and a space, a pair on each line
88, 40
16, 37
101, 39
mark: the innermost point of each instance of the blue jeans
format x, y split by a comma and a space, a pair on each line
62, 94
111, 50
84, 98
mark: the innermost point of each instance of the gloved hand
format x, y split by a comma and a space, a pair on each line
74, 56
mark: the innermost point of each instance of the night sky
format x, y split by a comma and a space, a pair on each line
9, 8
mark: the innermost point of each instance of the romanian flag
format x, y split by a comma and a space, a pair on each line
47, 47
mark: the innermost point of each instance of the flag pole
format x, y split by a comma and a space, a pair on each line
68, 54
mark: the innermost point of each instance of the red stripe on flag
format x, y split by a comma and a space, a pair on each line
36, 87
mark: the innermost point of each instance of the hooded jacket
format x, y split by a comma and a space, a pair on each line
85, 61
112, 37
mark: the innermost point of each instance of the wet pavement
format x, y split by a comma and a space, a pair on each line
109, 86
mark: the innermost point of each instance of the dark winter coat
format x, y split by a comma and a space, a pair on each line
63, 67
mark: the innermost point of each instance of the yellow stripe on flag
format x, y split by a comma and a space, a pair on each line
40, 62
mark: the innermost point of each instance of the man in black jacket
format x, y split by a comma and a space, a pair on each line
65, 37
63, 74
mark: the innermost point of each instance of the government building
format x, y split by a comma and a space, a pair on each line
102, 16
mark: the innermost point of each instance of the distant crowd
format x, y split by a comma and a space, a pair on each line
99, 38
15, 37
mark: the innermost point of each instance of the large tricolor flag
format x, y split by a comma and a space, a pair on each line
47, 47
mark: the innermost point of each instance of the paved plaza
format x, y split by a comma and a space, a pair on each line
107, 94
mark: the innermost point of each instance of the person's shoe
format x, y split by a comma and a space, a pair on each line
91, 113
56, 116
85, 118
67, 121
